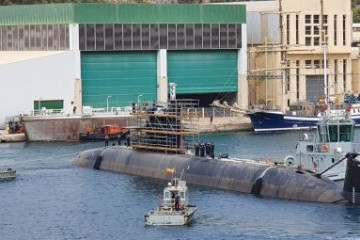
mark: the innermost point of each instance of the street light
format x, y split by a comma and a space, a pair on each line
107, 103
138, 102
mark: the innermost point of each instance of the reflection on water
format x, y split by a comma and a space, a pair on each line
53, 199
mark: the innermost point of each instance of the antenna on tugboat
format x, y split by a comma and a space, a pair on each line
181, 174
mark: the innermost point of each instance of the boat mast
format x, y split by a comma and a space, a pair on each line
325, 77
323, 36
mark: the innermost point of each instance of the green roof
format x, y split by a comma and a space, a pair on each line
121, 13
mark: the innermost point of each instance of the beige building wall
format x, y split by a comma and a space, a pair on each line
355, 68
304, 27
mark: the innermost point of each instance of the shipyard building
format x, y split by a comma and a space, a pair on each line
288, 44
61, 56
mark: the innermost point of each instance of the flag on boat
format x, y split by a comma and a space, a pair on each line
170, 170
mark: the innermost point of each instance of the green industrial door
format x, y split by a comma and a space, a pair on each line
198, 72
118, 78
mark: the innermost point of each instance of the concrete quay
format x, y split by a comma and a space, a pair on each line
68, 128
225, 124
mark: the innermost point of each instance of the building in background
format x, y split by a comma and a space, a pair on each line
286, 51
61, 56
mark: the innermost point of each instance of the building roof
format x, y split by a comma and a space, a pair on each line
121, 13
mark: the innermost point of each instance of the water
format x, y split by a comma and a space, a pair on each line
53, 199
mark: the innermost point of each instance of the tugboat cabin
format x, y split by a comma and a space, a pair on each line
175, 195
331, 131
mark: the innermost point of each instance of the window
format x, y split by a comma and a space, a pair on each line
288, 29
312, 30
317, 63
287, 72
297, 80
344, 74
316, 41
316, 19
346, 133
297, 29
335, 30
325, 29
316, 30
344, 30
307, 64
333, 133
325, 19
335, 72
138, 36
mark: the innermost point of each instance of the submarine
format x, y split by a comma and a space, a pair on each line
164, 139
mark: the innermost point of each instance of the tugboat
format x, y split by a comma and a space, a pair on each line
113, 131
7, 174
323, 152
174, 208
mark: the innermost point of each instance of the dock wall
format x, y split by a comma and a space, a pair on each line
68, 128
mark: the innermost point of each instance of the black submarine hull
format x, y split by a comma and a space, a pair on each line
224, 173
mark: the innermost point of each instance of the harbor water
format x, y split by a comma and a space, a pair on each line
53, 199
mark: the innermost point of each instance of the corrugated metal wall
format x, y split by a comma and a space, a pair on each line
203, 71
122, 75
121, 13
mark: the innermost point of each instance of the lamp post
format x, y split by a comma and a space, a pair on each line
39, 113
138, 102
107, 103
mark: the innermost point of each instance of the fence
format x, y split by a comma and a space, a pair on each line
203, 112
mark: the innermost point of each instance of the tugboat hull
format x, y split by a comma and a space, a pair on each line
170, 218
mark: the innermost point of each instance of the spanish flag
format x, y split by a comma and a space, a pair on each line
170, 171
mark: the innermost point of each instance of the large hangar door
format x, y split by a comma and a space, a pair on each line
314, 87
121, 75
203, 72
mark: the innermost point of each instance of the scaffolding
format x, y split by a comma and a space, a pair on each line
166, 127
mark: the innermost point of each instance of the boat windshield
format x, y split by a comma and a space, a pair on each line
336, 132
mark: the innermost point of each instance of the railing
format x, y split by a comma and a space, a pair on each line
86, 111
206, 112
216, 112
45, 112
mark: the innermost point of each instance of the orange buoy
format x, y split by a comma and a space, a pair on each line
325, 148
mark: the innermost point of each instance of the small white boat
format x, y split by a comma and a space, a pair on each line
174, 208
7, 174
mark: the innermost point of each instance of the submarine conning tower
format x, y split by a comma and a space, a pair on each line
351, 188
169, 127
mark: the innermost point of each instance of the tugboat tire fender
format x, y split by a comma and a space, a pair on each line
289, 160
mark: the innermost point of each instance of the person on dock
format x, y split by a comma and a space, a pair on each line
119, 139
106, 140
128, 139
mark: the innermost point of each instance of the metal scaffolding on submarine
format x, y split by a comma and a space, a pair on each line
165, 138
